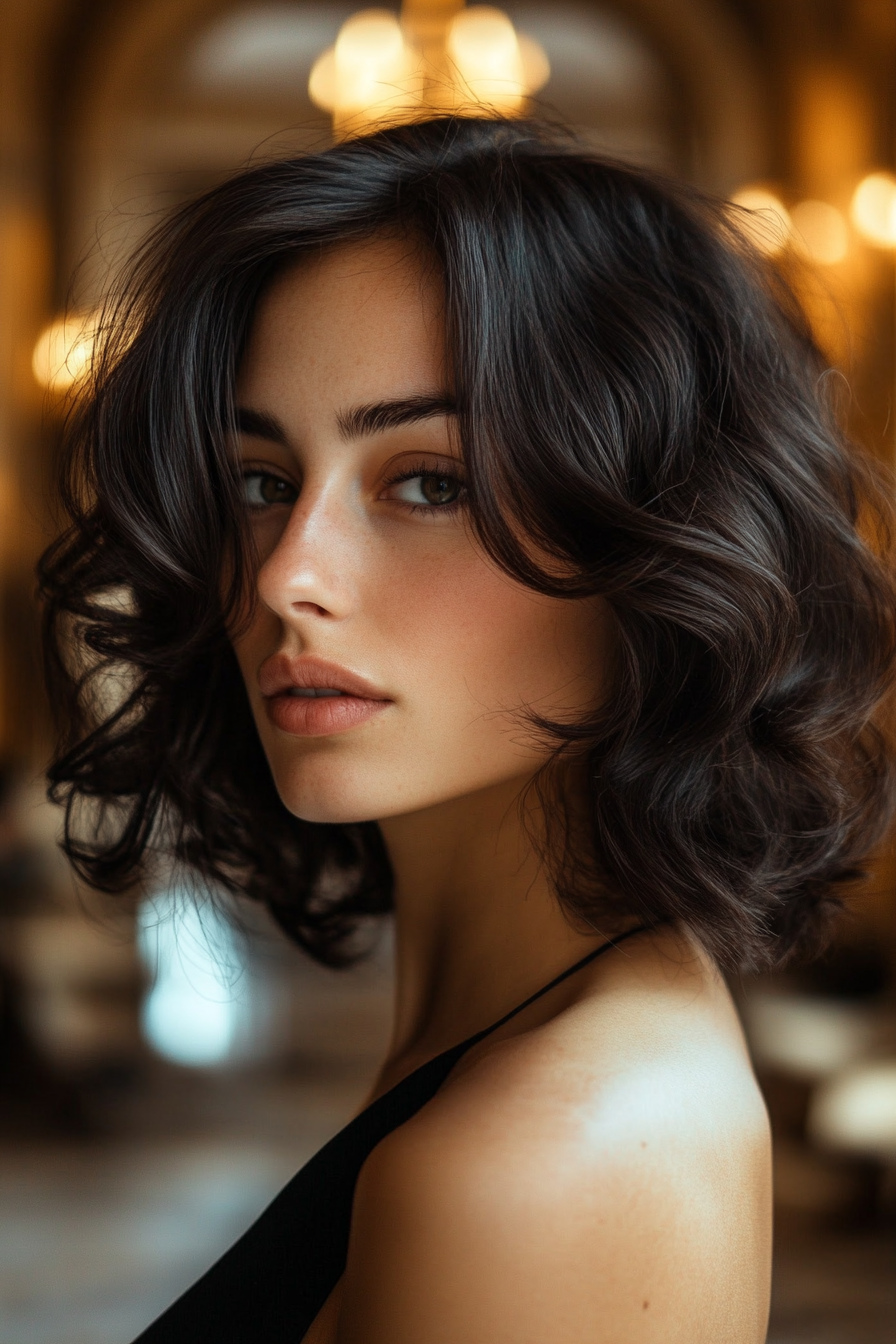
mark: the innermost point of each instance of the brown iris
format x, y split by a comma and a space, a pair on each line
440, 489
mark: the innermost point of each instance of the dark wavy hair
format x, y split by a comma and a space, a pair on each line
644, 416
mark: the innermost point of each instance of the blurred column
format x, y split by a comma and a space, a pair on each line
25, 295
842, 113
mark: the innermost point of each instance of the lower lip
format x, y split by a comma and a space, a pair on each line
320, 716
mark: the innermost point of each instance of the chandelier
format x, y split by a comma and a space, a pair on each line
437, 56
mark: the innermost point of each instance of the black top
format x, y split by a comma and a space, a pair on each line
271, 1284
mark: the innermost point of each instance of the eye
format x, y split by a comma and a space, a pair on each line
263, 488
427, 489
430, 490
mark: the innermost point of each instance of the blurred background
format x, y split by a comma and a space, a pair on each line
166, 1067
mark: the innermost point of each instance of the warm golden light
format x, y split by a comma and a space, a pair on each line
763, 218
874, 209
63, 352
536, 66
370, 69
483, 46
434, 59
322, 83
820, 232
371, 59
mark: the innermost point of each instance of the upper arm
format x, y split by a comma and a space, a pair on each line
467, 1232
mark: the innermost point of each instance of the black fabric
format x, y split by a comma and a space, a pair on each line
270, 1285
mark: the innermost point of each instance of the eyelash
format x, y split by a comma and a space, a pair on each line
426, 469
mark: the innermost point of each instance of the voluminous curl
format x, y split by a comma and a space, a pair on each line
644, 416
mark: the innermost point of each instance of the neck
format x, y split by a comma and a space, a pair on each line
478, 927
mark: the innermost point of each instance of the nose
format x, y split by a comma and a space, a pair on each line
310, 572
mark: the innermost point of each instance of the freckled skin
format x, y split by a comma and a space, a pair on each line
599, 1169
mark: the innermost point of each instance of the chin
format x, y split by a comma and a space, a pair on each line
329, 811
331, 794
329, 806
336, 793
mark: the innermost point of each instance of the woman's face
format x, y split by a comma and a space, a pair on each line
387, 659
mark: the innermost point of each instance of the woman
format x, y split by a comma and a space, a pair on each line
463, 520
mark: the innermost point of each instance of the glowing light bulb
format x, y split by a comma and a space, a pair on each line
873, 209
484, 47
763, 218
369, 70
369, 49
820, 231
63, 351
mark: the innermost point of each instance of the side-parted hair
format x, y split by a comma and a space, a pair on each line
644, 416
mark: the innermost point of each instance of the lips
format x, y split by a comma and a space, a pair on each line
310, 697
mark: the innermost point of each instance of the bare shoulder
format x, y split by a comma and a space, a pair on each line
602, 1176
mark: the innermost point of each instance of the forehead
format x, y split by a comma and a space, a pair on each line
354, 321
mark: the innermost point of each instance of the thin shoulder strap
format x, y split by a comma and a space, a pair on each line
552, 984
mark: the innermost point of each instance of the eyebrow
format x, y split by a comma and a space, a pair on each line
360, 420
380, 415
260, 425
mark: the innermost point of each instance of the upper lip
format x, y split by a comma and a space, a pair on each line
281, 673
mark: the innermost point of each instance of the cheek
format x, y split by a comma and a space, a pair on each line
255, 634
485, 641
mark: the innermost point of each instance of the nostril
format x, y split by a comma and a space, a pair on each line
310, 609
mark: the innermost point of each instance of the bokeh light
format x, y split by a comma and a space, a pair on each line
763, 218
857, 1110
483, 46
368, 74
63, 351
192, 1014
874, 209
820, 232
